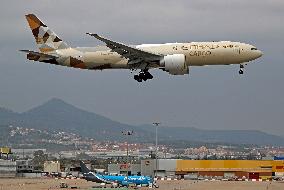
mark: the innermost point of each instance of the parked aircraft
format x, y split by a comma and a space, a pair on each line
121, 180
174, 58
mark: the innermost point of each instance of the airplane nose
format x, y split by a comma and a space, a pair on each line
259, 53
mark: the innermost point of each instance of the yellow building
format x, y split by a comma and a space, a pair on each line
5, 150
252, 169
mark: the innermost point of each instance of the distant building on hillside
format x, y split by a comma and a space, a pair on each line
26, 153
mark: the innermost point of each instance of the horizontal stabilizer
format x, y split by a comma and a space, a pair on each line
42, 55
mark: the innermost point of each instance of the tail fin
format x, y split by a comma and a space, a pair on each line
46, 39
84, 168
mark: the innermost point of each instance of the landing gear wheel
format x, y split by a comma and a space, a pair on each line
241, 71
143, 76
137, 78
148, 75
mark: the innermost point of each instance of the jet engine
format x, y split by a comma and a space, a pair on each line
175, 64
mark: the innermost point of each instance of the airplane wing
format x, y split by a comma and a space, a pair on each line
134, 55
41, 55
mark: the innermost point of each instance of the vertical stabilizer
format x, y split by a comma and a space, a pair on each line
46, 39
84, 168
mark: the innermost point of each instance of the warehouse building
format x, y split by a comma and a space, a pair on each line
193, 169
248, 169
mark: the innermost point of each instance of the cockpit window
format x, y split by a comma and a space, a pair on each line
253, 48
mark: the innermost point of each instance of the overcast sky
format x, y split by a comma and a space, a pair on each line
213, 97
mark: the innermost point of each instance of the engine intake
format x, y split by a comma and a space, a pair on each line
175, 64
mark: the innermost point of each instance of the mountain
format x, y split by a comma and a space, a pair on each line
57, 115
7, 115
227, 136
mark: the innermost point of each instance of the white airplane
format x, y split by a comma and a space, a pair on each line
174, 58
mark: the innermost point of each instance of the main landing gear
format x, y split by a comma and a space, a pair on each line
143, 75
241, 71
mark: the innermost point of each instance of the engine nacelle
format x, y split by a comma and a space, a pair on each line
175, 64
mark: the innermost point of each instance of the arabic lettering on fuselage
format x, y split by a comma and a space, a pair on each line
203, 46
202, 49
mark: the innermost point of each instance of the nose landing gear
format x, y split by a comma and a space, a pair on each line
241, 71
143, 75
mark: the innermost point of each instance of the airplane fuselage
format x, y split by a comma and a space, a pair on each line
122, 180
196, 54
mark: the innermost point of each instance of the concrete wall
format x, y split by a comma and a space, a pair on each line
30, 175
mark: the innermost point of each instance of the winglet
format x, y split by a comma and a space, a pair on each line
91, 34
23, 50
103, 39
94, 35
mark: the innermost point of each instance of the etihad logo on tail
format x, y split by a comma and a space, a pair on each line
46, 39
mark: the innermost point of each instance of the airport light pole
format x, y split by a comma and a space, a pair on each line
156, 124
127, 133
